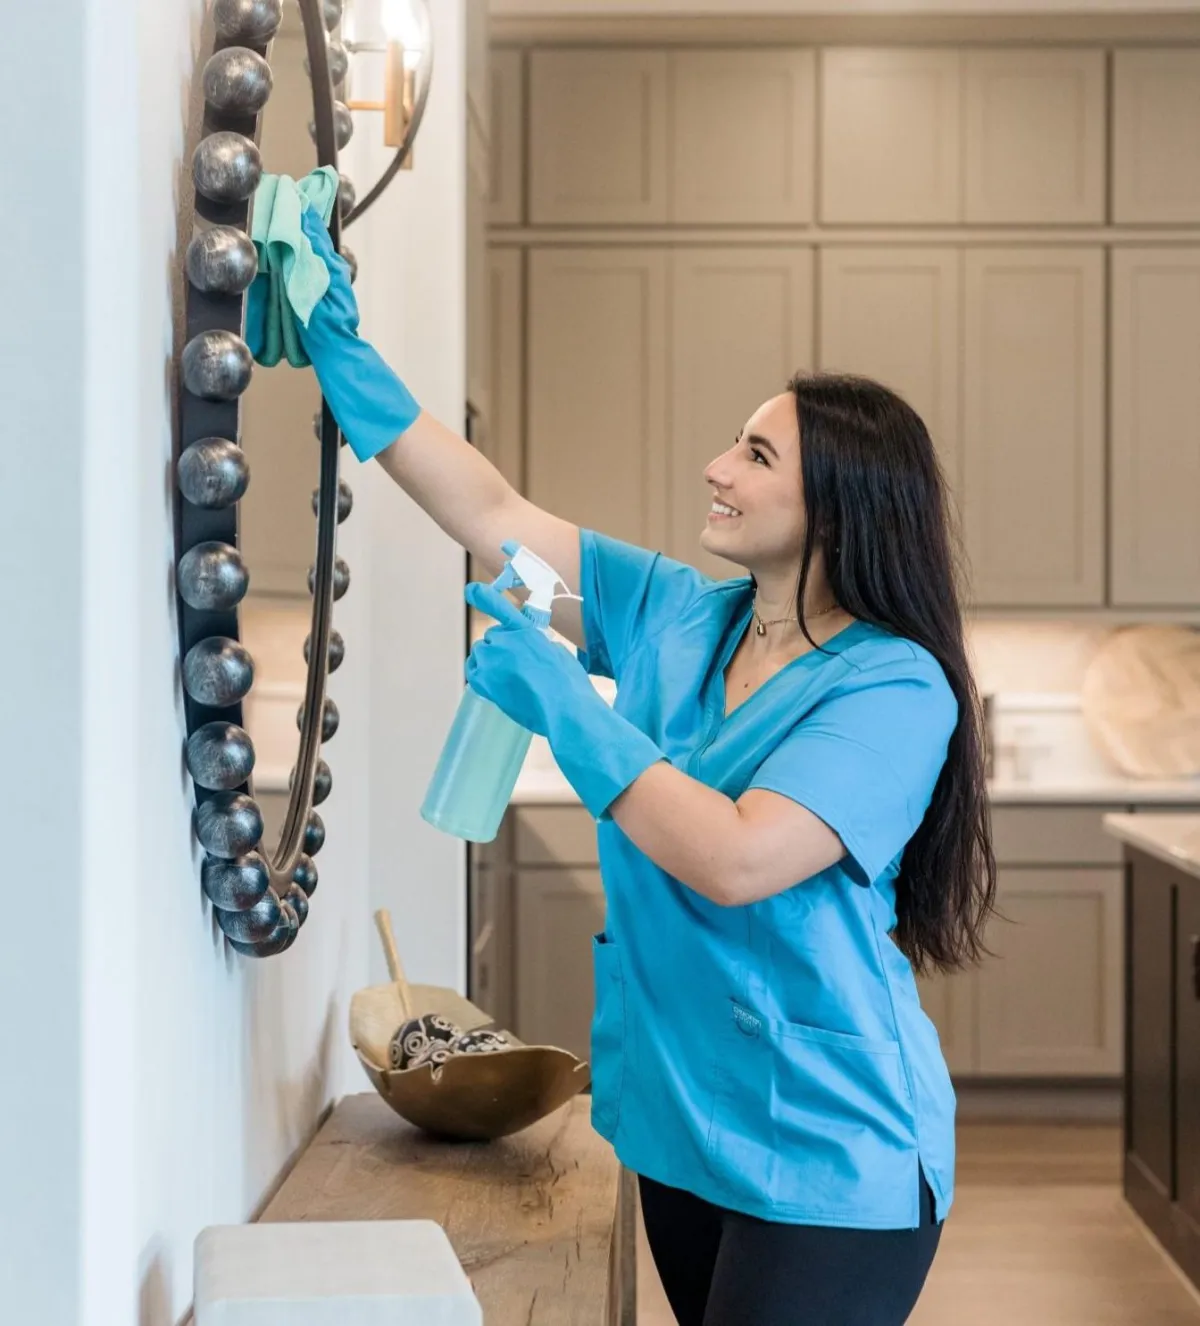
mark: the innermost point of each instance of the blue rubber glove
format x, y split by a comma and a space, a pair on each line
538, 684
370, 403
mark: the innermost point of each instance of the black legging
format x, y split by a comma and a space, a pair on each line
721, 1268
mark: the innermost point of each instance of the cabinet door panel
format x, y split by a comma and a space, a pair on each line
893, 315
742, 142
506, 201
1187, 1052
558, 911
950, 1003
1156, 146
1035, 128
1033, 426
596, 441
1155, 438
1050, 999
741, 326
598, 136
1151, 995
505, 348
890, 144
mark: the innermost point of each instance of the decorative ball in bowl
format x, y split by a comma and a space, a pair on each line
475, 1089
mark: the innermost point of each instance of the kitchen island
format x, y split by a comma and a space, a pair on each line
1162, 1027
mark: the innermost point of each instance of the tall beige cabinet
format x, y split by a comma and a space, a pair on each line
1006, 234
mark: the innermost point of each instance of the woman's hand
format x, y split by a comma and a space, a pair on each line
519, 669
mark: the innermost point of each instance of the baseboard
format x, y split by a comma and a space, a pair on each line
1046, 1102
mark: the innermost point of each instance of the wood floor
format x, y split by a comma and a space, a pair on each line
1039, 1236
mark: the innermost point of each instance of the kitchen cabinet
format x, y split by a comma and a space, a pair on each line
890, 136
1046, 1001
1050, 994
1047, 1006
598, 137
597, 411
742, 145
1156, 149
1033, 426
505, 346
557, 912
1162, 1079
741, 325
1155, 368
506, 197
892, 313
1034, 136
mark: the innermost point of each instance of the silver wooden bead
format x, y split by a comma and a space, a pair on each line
229, 824
343, 125
351, 262
331, 11
237, 81
213, 473
339, 63
212, 577
314, 834
347, 193
322, 782
217, 365
305, 874
337, 650
222, 260
218, 672
297, 900
341, 578
226, 167
329, 719
220, 756
345, 500
255, 924
235, 886
252, 21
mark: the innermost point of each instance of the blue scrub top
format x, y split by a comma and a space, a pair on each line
771, 1058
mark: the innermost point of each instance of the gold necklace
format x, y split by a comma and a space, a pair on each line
761, 628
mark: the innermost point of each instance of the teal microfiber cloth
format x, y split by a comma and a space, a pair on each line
291, 277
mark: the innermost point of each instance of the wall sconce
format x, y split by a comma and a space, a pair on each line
408, 68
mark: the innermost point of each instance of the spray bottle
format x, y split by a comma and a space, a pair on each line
485, 750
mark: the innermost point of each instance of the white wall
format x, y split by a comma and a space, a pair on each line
154, 1083
411, 251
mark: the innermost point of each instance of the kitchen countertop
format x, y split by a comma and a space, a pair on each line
541, 784
1174, 839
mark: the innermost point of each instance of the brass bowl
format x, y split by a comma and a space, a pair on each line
475, 1096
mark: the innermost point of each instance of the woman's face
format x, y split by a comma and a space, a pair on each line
759, 477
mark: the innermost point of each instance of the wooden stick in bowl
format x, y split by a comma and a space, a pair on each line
383, 923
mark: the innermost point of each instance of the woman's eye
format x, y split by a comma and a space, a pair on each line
758, 455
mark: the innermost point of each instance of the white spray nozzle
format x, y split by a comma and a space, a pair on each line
525, 567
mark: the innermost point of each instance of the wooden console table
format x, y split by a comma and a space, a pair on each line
543, 1221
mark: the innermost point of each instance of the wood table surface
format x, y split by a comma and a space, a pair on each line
542, 1221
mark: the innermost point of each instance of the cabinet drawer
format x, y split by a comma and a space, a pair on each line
1058, 835
555, 836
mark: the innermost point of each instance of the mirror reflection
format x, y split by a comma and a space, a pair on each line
277, 523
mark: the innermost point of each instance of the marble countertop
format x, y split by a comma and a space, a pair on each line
1174, 839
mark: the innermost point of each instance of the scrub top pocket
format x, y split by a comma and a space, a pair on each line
807, 1116
608, 1036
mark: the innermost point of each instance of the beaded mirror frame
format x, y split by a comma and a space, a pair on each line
260, 900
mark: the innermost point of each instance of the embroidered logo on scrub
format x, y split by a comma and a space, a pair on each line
745, 1021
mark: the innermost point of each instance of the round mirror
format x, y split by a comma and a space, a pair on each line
257, 577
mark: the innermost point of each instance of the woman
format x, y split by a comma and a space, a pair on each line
792, 820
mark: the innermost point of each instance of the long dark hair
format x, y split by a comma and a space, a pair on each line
877, 506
